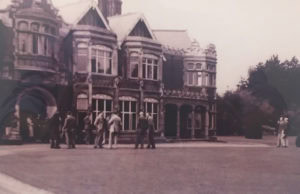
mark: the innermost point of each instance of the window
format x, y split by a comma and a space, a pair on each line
23, 38
194, 78
35, 44
198, 120
199, 83
190, 66
53, 31
150, 67
151, 106
82, 102
190, 78
134, 65
128, 108
23, 26
205, 80
101, 60
198, 66
46, 29
101, 103
35, 27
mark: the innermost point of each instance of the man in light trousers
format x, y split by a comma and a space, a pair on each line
115, 126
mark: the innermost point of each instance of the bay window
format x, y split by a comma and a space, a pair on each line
134, 65
35, 39
101, 60
150, 67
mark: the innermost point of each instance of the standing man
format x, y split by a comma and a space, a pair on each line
115, 126
279, 131
141, 130
285, 142
54, 125
100, 123
151, 129
69, 130
87, 128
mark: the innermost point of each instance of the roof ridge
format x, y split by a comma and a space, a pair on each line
126, 14
170, 30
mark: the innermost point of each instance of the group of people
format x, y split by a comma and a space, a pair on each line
282, 133
110, 125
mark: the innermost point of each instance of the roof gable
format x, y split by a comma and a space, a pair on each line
141, 29
125, 25
88, 14
92, 18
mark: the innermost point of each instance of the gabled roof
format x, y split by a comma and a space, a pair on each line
175, 39
123, 25
82, 8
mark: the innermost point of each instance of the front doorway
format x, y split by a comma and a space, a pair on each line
35, 106
185, 121
171, 120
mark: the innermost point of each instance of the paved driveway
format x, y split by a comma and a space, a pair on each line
197, 167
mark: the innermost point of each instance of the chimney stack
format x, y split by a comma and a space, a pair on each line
110, 7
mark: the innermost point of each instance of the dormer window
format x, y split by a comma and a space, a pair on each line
101, 60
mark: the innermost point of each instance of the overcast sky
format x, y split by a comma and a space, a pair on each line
245, 32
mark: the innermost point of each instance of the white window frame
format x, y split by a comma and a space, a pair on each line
106, 58
152, 101
152, 66
131, 112
106, 98
131, 63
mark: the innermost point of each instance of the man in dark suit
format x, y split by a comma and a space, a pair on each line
54, 125
151, 128
141, 130
69, 130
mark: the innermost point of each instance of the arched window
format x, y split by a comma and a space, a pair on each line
198, 66
35, 27
82, 102
23, 26
101, 60
190, 66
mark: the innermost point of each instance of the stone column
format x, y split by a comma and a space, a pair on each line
178, 121
162, 118
193, 122
141, 95
206, 122
116, 96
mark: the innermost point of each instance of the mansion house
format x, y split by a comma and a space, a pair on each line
98, 59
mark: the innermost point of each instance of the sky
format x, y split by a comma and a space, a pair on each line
245, 32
